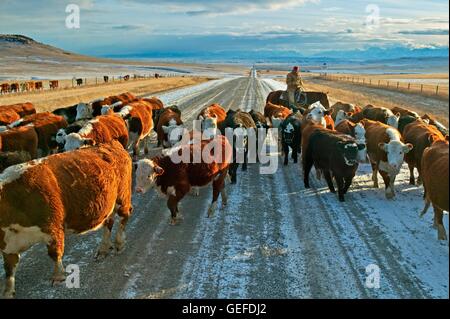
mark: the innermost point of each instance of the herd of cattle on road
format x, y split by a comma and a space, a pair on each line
70, 171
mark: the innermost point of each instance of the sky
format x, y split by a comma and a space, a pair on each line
309, 27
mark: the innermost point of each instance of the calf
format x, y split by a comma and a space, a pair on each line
357, 131
386, 152
435, 183
291, 136
335, 155
169, 128
22, 109
72, 192
242, 125
421, 135
175, 180
46, 125
102, 129
275, 114
138, 115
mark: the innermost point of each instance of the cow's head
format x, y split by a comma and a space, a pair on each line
392, 120
288, 133
174, 133
342, 115
395, 151
146, 173
74, 141
106, 109
317, 112
209, 126
360, 136
84, 111
61, 138
349, 151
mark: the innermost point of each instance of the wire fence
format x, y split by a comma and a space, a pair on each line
439, 90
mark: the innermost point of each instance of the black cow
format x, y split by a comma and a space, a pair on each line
243, 126
74, 127
291, 136
79, 82
69, 113
105, 78
336, 155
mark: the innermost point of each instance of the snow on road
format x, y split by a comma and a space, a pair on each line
274, 239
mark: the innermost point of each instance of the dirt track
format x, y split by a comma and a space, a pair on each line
275, 239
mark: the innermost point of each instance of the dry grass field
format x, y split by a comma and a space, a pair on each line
50, 100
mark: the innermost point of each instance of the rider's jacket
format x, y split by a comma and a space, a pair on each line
294, 81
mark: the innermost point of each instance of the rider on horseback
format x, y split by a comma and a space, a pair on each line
294, 83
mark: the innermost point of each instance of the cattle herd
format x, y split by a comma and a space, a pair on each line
45, 157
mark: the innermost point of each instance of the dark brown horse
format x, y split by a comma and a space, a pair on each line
305, 99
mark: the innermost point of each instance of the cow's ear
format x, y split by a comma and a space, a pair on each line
398, 115
382, 146
408, 147
158, 170
88, 142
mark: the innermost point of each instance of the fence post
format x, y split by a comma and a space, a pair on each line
379, 82
437, 89
96, 81
409, 86
421, 88
370, 81
387, 83
398, 83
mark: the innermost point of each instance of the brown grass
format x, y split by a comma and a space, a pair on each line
50, 100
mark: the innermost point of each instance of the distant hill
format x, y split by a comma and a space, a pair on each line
14, 45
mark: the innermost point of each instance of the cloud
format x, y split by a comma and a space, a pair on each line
216, 8
425, 32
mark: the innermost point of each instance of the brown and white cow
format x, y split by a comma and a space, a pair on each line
138, 115
46, 125
73, 192
169, 128
436, 123
212, 119
175, 180
94, 108
22, 109
421, 135
404, 112
318, 113
53, 84
386, 151
435, 183
275, 114
345, 107
102, 129
357, 131
381, 114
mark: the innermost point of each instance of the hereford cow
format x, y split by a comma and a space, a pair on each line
38, 85
69, 113
404, 112
421, 135
94, 108
242, 126
275, 114
53, 207
435, 183
31, 86
46, 125
157, 108
434, 122
175, 180
212, 118
345, 107
53, 84
386, 151
357, 131
169, 128
341, 116
319, 114
5, 88
15, 87
335, 155
8, 116
22, 109
291, 136
380, 114
102, 129
138, 115
20, 139
74, 127
403, 121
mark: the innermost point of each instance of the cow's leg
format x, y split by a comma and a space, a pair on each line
295, 154
10, 262
438, 215
307, 165
233, 172
341, 187
286, 153
56, 251
348, 182
172, 204
318, 173
389, 185
425, 209
146, 144
106, 243
218, 186
419, 170
329, 180
412, 180
374, 174
120, 235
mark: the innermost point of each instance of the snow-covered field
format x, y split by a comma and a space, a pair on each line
274, 239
